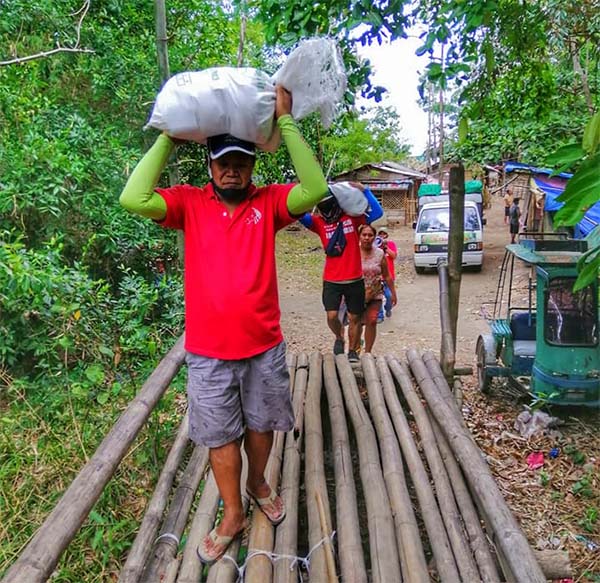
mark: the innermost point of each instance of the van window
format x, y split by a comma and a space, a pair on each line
438, 219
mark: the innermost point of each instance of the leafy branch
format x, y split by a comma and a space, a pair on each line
82, 12
581, 193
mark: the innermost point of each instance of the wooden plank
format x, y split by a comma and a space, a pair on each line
39, 558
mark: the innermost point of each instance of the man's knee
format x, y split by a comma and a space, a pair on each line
332, 317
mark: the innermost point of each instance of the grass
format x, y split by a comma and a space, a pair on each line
45, 439
300, 259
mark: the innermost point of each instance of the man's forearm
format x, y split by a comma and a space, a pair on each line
313, 186
138, 196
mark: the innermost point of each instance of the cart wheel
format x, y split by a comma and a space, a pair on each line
484, 379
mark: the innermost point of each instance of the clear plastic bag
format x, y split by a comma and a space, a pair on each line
314, 74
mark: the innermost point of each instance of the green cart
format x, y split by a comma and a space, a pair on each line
547, 343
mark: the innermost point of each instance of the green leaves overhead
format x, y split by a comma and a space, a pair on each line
591, 135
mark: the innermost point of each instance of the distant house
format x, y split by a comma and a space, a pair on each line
394, 185
535, 185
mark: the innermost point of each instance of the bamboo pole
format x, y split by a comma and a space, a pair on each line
410, 549
203, 521
314, 468
443, 489
447, 348
329, 558
435, 371
138, 554
510, 538
477, 538
259, 568
456, 240
352, 562
226, 569
286, 535
167, 544
430, 513
385, 564
41, 555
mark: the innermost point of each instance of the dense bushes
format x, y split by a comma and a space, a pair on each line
55, 317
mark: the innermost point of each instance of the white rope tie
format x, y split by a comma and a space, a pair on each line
168, 536
273, 557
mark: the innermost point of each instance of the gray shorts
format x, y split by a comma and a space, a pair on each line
226, 396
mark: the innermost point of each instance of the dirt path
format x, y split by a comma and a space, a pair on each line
415, 321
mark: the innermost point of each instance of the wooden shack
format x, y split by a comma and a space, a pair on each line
394, 185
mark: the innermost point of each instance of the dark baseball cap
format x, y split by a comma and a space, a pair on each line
225, 143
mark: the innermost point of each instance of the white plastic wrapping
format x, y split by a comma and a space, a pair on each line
241, 101
314, 73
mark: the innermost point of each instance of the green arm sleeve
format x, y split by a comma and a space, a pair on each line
313, 186
138, 196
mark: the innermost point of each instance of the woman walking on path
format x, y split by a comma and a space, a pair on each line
375, 270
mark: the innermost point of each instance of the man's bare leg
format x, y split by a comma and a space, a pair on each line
226, 464
335, 325
258, 447
354, 331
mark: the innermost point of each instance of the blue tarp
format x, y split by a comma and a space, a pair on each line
553, 187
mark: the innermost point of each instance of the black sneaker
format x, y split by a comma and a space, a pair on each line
353, 356
338, 346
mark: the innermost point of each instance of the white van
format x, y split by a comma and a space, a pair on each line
431, 235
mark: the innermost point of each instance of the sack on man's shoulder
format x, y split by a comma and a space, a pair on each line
352, 199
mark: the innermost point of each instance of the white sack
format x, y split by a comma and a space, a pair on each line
222, 100
352, 200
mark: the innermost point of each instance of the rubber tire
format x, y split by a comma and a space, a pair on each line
477, 268
484, 381
420, 270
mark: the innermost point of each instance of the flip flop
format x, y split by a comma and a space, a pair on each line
269, 500
218, 540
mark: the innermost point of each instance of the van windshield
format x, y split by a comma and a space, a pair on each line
438, 219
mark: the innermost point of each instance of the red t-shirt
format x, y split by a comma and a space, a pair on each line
231, 297
348, 265
391, 267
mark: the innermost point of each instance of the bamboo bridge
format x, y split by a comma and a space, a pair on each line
381, 479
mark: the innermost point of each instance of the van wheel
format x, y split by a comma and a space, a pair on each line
477, 268
420, 270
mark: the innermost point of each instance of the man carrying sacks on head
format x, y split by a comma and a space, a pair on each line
342, 273
238, 383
